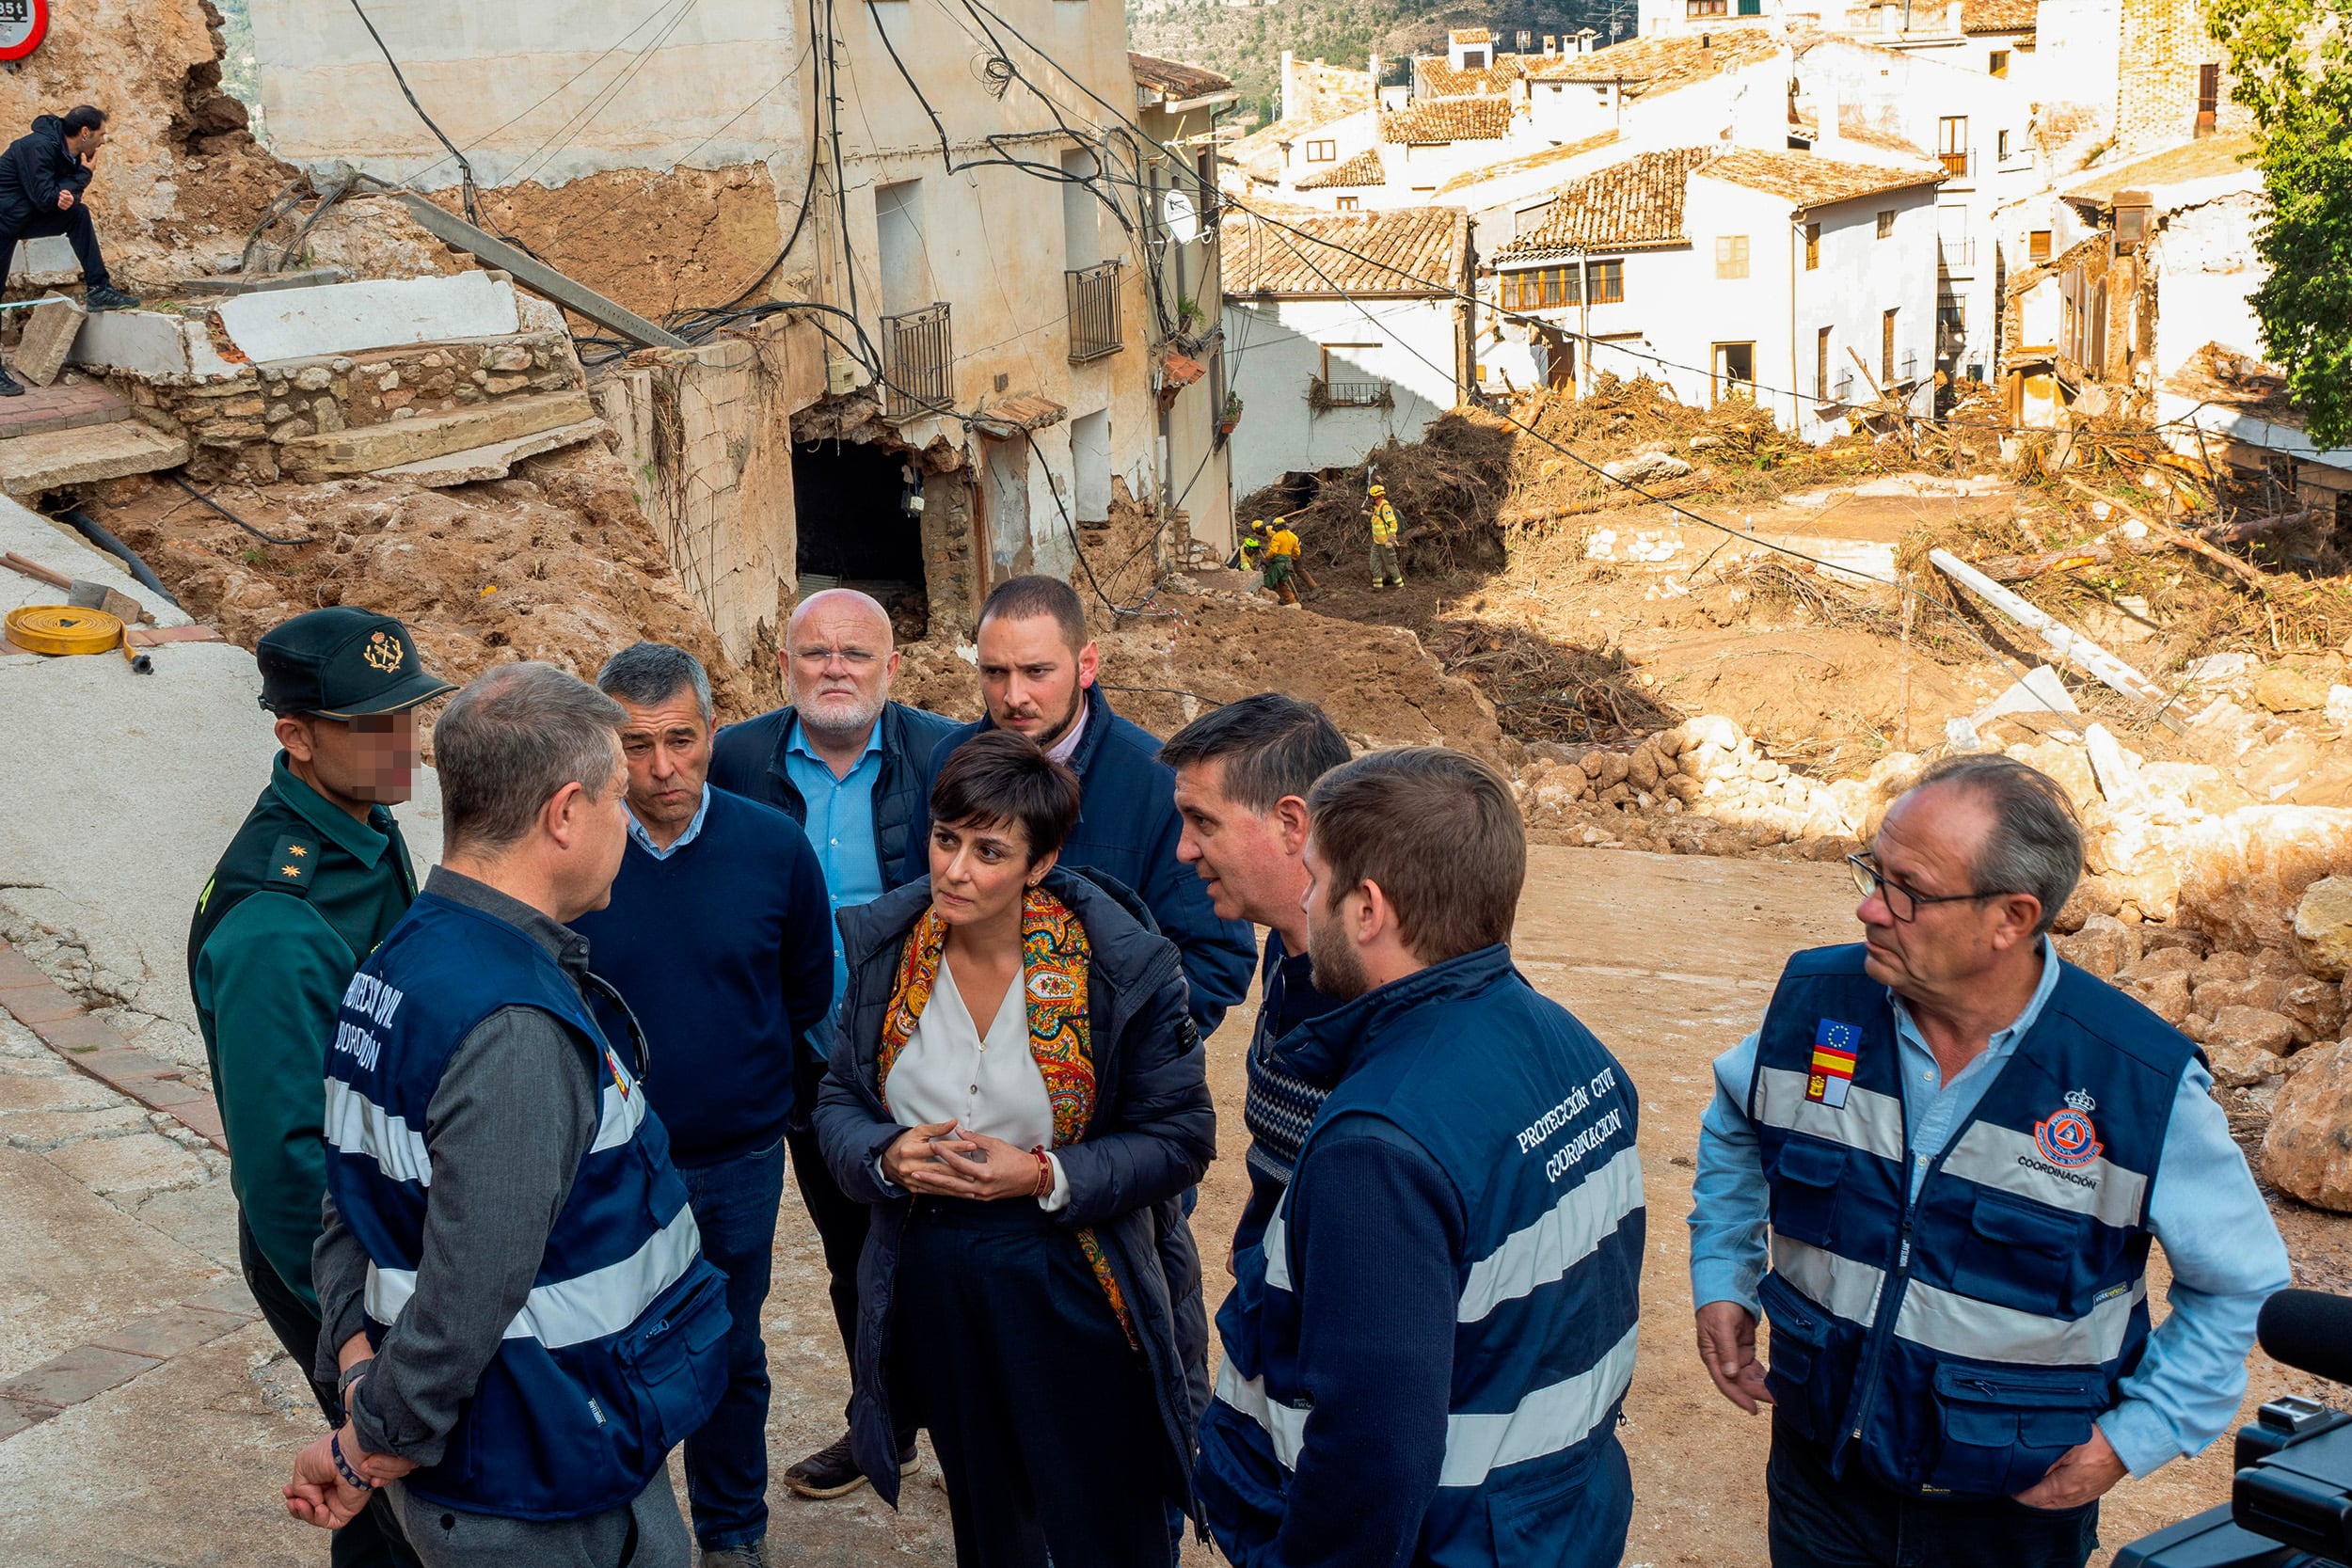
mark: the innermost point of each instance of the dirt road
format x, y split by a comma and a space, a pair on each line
1669, 959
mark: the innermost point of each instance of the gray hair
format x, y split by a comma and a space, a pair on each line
2035, 844
509, 740
650, 672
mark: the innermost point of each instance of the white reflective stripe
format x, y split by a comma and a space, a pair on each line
1548, 1420
1285, 1427
356, 1125
1870, 1121
2011, 1160
1277, 1248
1565, 1237
1962, 1326
1836, 1284
621, 1116
592, 1306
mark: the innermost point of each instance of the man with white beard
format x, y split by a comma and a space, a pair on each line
846, 762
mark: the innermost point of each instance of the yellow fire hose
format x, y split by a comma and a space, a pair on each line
56, 628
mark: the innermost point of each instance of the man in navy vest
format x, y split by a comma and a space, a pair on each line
1426, 1352
1243, 774
1037, 676
517, 1308
849, 766
1960, 1147
719, 939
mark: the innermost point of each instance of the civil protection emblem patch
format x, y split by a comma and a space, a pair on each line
2067, 1139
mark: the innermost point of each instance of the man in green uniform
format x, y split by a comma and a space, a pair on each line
312, 881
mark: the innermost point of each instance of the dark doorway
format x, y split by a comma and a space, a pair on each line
860, 526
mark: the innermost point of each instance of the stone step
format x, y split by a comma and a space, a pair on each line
495, 460
368, 448
53, 459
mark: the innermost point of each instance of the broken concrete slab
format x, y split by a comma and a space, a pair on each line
495, 460
370, 447
53, 459
50, 329
346, 317
46, 260
149, 344
2039, 692
262, 282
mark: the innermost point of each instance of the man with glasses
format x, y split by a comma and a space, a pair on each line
846, 762
1937, 1168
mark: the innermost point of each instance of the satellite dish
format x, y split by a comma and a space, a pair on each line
1184, 222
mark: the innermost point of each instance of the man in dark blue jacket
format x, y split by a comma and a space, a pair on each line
1426, 1352
1037, 676
42, 178
848, 764
718, 937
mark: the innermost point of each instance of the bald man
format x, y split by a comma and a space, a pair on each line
846, 762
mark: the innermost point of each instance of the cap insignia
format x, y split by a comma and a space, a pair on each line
384, 653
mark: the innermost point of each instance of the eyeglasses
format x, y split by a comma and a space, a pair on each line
1902, 902
856, 659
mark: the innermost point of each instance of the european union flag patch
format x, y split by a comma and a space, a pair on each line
1834, 1047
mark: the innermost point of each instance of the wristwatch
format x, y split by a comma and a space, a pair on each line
351, 1375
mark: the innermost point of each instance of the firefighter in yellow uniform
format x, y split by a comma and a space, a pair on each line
1252, 546
1386, 571
1281, 561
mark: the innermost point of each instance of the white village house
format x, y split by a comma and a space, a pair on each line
1802, 283
1342, 332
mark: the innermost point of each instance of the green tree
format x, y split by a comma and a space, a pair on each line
2291, 61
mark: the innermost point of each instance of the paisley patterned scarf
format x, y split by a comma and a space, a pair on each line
1054, 960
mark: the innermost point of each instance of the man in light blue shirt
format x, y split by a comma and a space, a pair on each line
840, 827
1981, 1017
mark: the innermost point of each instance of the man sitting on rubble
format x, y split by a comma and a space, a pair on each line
42, 178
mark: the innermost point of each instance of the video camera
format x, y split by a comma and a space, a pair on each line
2291, 1503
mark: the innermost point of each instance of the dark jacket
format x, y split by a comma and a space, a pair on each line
34, 169
1127, 829
747, 758
1152, 1135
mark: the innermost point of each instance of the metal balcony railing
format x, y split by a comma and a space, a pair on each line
919, 361
1955, 253
1093, 293
1349, 395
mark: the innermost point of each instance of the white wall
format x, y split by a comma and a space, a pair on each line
1274, 347
1860, 278
2205, 270
2077, 47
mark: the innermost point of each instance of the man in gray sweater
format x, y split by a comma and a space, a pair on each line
515, 1303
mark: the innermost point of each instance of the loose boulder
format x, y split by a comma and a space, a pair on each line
2323, 928
2308, 1150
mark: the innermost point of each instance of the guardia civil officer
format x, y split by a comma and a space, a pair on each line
1960, 1147
312, 881
513, 1286
1426, 1351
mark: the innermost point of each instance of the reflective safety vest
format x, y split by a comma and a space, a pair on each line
1958, 1342
1534, 1122
1384, 522
620, 1350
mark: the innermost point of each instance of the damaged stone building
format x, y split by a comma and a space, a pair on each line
936, 266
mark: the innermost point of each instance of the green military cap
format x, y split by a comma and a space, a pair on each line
344, 663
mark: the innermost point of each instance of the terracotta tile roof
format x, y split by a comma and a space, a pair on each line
1885, 141
1470, 35
1809, 181
2209, 158
1415, 251
1660, 65
1266, 138
1440, 80
1527, 164
1635, 205
1449, 119
1175, 79
1023, 411
1996, 16
1360, 171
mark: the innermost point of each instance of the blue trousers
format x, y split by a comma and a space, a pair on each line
726, 1462
1819, 1521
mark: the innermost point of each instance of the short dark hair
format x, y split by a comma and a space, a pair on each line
1001, 776
84, 117
2035, 844
650, 672
1026, 598
1272, 745
1438, 831
509, 740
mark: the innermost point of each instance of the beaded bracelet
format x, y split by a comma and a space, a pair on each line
1044, 1173
358, 1481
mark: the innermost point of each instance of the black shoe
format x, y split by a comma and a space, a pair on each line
9, 386
830, 1472
106, 296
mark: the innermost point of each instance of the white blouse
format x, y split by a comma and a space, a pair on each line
948, 1070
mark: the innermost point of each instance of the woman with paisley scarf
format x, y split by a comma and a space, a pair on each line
1019, 1091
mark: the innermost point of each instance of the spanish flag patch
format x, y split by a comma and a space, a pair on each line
1834, 1046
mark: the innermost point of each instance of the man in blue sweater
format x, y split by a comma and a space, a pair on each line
1426, 1352
719, 939
848, 764
1037, 676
